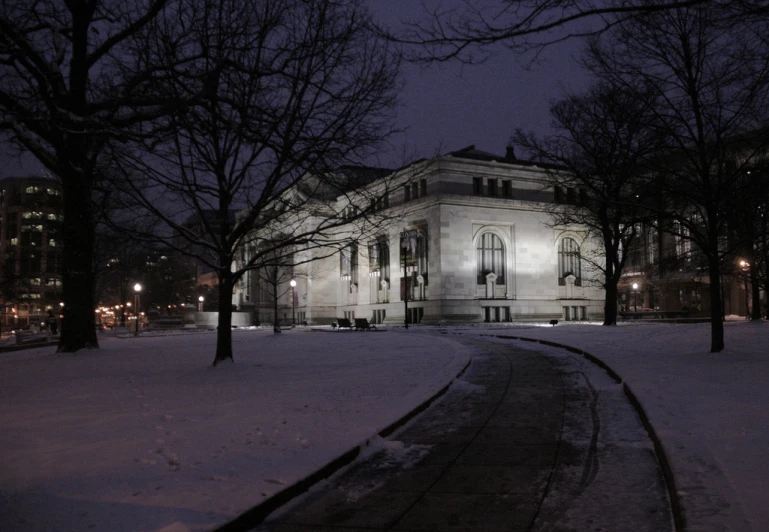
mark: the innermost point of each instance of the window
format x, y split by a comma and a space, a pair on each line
635, 251
53, 192
490, 257
14, 241
567, 195
379, 259
507, 188
349, 263
477, 186
492, 187
683, 244
413, 262
32, 190
423, 187
569, 261
52, 217
407, 193
414, 190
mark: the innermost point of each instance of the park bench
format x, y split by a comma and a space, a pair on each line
343, 323
362, 324
32, 338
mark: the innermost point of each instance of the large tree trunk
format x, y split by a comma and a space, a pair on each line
78, 328
224, 323
610, 284
610, 305
716, 318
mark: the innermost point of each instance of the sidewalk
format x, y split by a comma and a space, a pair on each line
523, 441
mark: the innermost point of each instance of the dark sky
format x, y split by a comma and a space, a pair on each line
448, 106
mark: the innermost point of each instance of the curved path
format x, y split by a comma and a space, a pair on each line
523, 441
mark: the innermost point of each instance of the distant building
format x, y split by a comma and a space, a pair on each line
469, 240
30, 249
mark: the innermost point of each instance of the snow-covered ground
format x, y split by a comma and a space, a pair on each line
144, 435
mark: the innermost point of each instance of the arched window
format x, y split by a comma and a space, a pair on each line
490, 257
569, 261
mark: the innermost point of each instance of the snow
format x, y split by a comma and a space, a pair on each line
708, 409
144, 435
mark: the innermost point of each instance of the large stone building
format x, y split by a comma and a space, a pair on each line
30, 249
466, 239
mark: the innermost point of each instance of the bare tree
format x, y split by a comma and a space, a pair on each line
471, 32
597, 153
709, 77
282, 95
72, 76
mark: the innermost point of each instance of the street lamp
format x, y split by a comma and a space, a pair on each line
137, 290
200, 303
635, 297
293, 302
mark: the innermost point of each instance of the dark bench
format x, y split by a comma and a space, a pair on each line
362, 324
32, 338
342, 323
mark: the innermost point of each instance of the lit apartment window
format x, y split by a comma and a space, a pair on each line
14, 241
52, 242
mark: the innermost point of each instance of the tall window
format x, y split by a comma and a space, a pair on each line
379, 259
569, 261
348, 263
414, 253
490, 257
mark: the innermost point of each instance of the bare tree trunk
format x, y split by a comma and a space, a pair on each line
78, 327
224, 322
716, 318
610, 305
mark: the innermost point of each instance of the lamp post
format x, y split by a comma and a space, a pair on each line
635, 297
200, 303
293, 302
137, 290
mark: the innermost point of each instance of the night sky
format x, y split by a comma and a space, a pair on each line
449, 106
